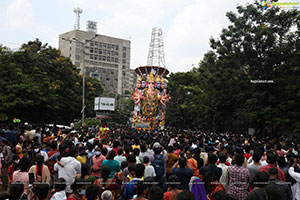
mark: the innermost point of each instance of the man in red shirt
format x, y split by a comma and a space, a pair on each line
271, 160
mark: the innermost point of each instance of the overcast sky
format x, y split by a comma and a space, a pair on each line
187, 24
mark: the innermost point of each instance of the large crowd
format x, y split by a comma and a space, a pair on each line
54, 163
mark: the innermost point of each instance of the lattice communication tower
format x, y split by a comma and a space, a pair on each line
156, 55
77, 11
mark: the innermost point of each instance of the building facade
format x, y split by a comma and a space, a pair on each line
104, 58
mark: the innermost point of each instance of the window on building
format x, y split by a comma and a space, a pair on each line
108, 58
100, 51
96, 57
123, 66
117, 53
70, 48
124, 55
124, 61
124, 48
91, 56
108, 46
95, 75
108, 53
104, 45
116, 60
104, 52
124, 73
104, 58
96, 50
91, 50
91, 43
117, 47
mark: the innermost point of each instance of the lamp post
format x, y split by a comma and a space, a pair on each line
83, 72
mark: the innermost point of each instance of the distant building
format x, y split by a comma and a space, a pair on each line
105, 58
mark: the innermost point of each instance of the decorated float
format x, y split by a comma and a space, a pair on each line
150, 97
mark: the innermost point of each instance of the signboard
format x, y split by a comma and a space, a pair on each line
104, 103
142, 125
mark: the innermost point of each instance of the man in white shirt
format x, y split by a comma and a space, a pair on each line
120, 158
224, 177
68, 169
149, 169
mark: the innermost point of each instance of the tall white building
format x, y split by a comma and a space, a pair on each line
104, 58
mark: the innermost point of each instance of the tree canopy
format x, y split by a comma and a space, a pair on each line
249, 78
38, 84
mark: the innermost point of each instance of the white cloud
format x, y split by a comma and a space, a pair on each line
187, 40
20, 14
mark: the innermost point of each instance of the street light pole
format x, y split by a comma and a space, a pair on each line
83, 73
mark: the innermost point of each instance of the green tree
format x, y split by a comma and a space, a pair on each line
258, 45
38, 84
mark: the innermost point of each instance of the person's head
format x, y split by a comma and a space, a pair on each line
140, 189
131, 168
173, 181
281, 161
170, 149
16, 190
105, 172
131, 159
146, 160
60, 184
189, 153
39, 160
72, 152
260, 180
106, 195
124, 164
24, 164
136, 152
139, 170
197, 151
92, 192
78, 187
156, 193
212, 159
116, 144
209, 178
273, 192
120, 151
157, 150
111, 155
85, 170
239, 159
186, 195
104, 151
42, 191
257, 156
273, 172
182, 162
222, 157
271, 158
221, 195
37, 147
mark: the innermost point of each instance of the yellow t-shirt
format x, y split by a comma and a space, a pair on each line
135, 146
81, 159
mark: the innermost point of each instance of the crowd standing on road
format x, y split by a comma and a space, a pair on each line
171, 164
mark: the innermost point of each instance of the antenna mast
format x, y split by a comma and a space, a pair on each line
77, 11
156, 55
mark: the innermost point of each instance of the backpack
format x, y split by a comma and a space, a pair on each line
158, 165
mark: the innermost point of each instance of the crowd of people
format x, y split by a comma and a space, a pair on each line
43, 163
